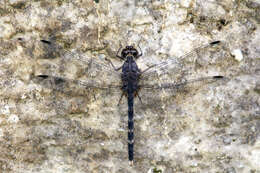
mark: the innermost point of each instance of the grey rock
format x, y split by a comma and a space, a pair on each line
212, 128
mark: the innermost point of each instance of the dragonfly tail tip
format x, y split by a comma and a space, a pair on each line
131, 163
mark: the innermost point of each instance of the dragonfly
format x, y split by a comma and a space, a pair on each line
130, 80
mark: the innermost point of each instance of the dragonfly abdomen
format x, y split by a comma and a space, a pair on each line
130, 99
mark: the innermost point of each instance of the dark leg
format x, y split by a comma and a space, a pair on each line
117, 54
140, 99
120, 99
140, 53
110, 62
148, 68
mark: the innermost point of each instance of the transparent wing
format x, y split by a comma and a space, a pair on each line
165, 66
58, 66
71, 86
53, 50
182, 89
159, 95
180, 85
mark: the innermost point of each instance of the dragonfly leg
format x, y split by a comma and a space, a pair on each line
120, 99
140, 53
140, 99
110, 62
148, 68
117, 54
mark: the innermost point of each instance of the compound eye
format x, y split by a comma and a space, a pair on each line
124, 52
134, 53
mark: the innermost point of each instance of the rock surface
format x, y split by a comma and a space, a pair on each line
213, 128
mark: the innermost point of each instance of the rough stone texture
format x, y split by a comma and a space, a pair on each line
213, 128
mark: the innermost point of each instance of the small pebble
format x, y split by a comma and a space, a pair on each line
237, 53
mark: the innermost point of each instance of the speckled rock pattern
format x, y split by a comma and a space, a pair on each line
213, 128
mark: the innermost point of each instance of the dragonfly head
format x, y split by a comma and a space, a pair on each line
129, 51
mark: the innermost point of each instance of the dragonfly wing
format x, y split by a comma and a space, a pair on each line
177, 88
177, 63
73, 87
53, 50
67, 71
179, 85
